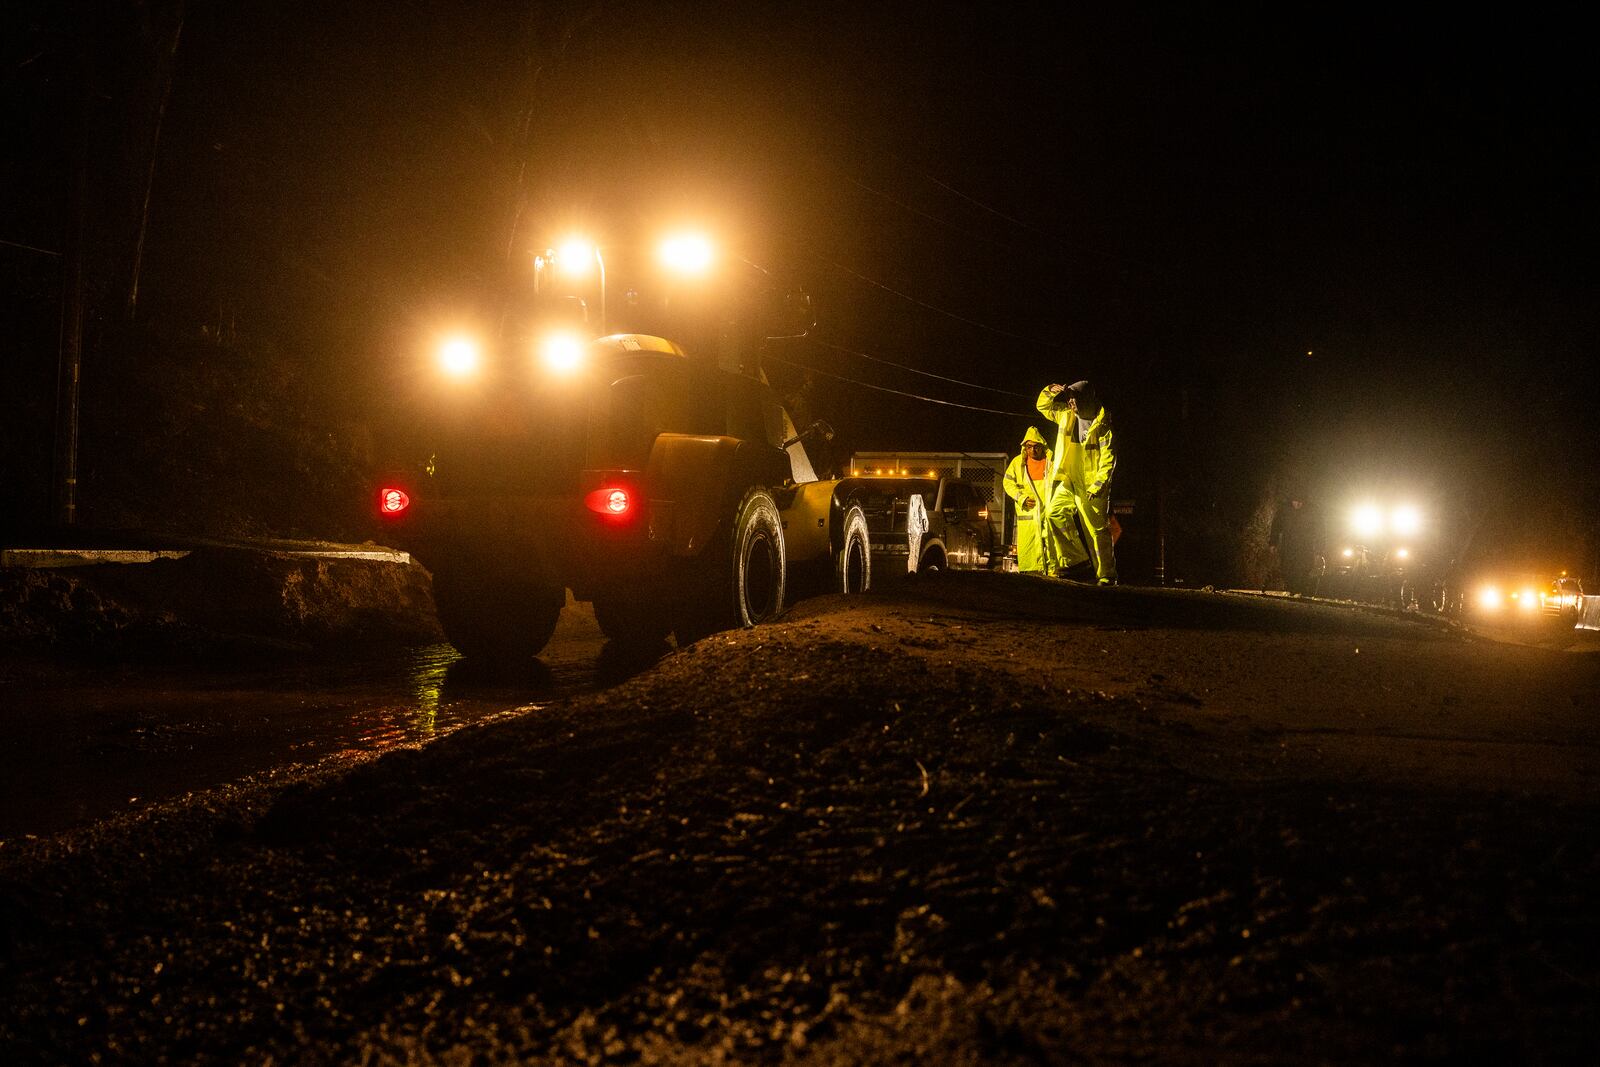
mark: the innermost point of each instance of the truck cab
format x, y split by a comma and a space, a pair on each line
924, 525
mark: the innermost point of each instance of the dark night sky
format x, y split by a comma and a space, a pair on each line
1178, 204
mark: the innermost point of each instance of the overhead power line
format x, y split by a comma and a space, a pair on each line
1056, 239
1036, 230
935, 219
974, 201
29, 248
913, 370
935, 308
897, 392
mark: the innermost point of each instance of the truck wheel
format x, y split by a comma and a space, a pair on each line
496, 619
632, 622
852, 561
758, 562
740, 579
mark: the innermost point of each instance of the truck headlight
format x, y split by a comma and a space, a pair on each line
460, 356
561, 353
1405, 520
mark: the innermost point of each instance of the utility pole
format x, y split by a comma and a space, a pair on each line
165, 64
69, 360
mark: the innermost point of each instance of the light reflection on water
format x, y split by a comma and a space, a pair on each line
432, 704
83, 744
427, 686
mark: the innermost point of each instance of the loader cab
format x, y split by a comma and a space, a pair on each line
512, 433
639, 396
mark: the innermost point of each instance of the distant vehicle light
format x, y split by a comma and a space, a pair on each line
562, 353
1402, 553
460, 357
1490, 598
1348, 553
1528, 601
610, 501
1367, 520
393, 501
1405, 520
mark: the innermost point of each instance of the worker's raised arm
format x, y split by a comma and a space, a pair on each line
1051, 403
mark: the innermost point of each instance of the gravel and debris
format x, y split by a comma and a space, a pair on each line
980, 820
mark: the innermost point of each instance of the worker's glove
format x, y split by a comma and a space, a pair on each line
1027, 504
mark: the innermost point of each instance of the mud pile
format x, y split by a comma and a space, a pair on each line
814, 843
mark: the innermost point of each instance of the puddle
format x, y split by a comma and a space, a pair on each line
80, 745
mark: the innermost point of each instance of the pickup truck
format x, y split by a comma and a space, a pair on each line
924, 525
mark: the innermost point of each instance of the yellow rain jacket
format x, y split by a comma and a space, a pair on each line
1035, 536
1085, 462
1085, 465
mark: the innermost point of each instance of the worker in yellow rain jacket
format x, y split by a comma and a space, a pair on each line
1029, 481
1085, 462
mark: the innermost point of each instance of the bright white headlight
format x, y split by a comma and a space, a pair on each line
561, 353
1405, 520
1367, 520
459, 356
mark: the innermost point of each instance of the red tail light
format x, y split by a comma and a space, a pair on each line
610, 501
393, 501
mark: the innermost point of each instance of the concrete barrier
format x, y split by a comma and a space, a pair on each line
308, 595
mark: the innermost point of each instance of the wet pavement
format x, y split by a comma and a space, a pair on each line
82, 743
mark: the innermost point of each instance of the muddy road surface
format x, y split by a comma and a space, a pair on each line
86, 740
982, 819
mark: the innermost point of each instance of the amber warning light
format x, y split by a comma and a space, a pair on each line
611, 501
392, 501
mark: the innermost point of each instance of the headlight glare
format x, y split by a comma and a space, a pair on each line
460, 356
561, 353
1367, 520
